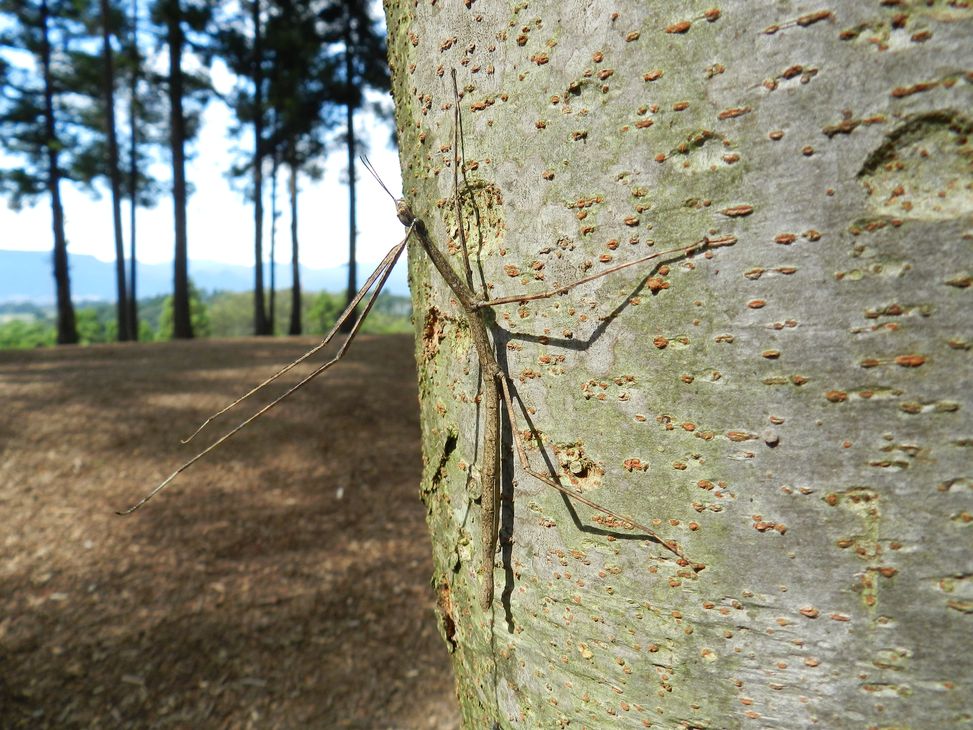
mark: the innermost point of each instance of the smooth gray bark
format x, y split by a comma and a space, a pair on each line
792, 409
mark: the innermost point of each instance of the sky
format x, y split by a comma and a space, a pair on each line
220, 221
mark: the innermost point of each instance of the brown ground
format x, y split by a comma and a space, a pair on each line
283, 582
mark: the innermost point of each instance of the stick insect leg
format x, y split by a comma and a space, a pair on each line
571, 493
382, 275
703, 243
385, 263
457, 163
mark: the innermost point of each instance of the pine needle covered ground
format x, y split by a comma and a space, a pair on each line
283, 582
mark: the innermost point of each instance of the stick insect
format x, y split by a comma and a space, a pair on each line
494, 380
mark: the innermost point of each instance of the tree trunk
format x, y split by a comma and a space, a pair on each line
114, 173
349, 323
790, 409
181, 323
295, 326
259, 312
133, 306
271, 308
67, 333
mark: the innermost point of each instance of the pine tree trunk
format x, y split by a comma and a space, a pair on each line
272, 298
791, 408
181, 323
133, 306
114, 173
67, 333
350, 144
260, 325
295, 324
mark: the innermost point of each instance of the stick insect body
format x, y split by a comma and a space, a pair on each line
496, 386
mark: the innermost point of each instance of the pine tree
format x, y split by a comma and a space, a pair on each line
108, 25
301, 85
92, 77
357, 44
133, 56
240, 42
179, 21
146, 118
36, 126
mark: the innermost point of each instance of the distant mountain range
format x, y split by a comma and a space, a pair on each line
28, 276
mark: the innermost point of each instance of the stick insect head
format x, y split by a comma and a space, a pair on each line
404, 212
402, 209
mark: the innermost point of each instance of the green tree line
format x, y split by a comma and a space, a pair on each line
92, 93
212, 314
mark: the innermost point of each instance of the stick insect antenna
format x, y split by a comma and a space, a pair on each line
368, 166
402, 210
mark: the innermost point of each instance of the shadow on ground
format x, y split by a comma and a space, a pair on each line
282, 583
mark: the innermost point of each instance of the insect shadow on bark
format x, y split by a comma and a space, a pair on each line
502, 337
